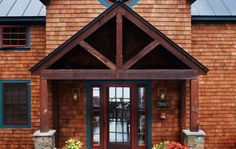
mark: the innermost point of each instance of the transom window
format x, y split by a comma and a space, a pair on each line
14, 37
14, 104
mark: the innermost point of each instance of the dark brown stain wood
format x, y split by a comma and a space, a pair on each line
98, 55
119, 40
140, 55
44, 116
55, 104
182, 108
69, 74
194, 105
183, 56
73, 41
135, 19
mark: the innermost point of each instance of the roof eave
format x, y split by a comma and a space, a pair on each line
192, 1
21, 20
45, 2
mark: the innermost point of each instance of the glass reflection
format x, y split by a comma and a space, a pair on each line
119, 115
141, 116
96, 115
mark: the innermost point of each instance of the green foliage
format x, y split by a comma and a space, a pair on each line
162, 145
73, 144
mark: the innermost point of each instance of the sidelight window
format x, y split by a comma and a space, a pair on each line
96, 115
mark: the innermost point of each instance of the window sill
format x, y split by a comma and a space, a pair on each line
15, 49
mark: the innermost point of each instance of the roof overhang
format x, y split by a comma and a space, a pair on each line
45, 2
192, 1
22, 20
213, 19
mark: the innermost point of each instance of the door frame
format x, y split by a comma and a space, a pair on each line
147, 84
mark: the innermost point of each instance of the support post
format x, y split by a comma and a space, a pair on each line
182, 108
55, 98
194, 138
44, 138
194, 105
44, 119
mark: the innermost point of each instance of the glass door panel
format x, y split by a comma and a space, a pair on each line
119, 117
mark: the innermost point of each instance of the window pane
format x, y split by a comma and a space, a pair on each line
141, 116
141, 97
15, 103
6, 42
22, 42
119, 115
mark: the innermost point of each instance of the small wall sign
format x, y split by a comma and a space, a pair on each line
163, 103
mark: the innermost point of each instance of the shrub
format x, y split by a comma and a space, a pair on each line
73, 144
176, 145
170, 145
162, 145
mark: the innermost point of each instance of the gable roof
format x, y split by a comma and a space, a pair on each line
106, 16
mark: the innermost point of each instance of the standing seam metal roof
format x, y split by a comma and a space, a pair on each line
34, 8
21, 8
214, 8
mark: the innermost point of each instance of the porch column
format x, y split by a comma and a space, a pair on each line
194, 137
44, 138
44, 119
194, 105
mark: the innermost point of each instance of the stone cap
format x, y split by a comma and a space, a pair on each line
44, 134
190, 133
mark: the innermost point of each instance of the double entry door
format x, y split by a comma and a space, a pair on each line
119, 116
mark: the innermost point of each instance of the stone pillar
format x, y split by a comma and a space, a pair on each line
44, 140
195, 140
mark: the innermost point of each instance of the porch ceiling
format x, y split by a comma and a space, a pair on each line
117, 67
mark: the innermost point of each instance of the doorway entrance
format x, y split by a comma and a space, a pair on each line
119, 117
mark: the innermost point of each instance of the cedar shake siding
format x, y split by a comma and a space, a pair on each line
214, 45
14, 66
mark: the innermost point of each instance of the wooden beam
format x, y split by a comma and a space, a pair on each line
119, 40
98, 55
74, 40
166, 44
182, 108
44, 115
101, 74
194, 105
140, 55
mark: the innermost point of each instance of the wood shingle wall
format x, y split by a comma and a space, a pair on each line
215, 46
14, 65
